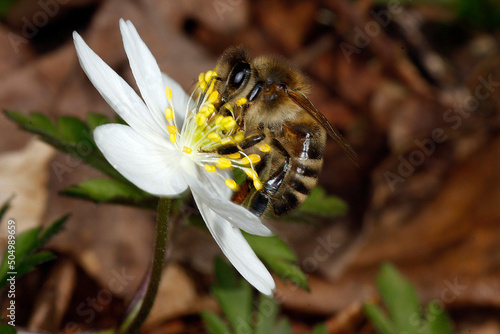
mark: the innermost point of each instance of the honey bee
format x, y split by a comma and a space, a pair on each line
278, 118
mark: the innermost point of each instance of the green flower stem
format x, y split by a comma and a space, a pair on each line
163, 236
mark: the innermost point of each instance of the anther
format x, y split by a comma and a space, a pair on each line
171, 129
209, 75
236, 155
257, 184
187, 150
173, 139
203, 85
228, 107
213, 136
211, 87
250, 173
213, 97
169, 113
201, 77
226, 140
168, 93
219, 119
264, 148
207, 109
228, 122
200, 119
231, 184
239, 137
223, 163
241, 101
254, 158
209, 168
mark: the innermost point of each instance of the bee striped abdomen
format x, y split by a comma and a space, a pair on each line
296, 169
296, 186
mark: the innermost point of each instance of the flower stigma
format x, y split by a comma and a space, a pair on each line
207, 128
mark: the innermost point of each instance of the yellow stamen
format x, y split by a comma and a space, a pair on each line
213, 97
209, 168
169, 114
173, 139
228, 107
241, 101
213, 136
186, 149
254, 158
250, 173
231, 184
236, 155
209, 75
228, 122
219, 119
203, 85
168, 93
207, 109
223, 163
171, 129
211, 88
239, 137
264, 148
257, 184
200, 119
226, 140
201, 77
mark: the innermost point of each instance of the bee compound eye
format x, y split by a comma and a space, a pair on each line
238, 75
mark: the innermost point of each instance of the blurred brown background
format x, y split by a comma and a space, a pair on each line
413, 85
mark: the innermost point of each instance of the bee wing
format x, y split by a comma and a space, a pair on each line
304, 102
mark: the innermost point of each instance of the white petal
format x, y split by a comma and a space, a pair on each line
117, 93
234, 213
146, 72
154, 168
237, 249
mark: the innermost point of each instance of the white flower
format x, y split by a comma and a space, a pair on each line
169, 147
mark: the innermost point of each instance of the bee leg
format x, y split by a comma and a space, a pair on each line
245, 144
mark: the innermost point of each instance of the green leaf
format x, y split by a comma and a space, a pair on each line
111, 191
236, 303
399, 296
42, 122
282, 327
27, 241
320, 329
94, 120
225, 274
214, 324
5, 207
71, 136
73, 130
437, 320
54, 228
270, 247
278, 257
38, 258
379, 319
6, 329
267, 312
30, 261
320, 204
289, 272
26, 245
